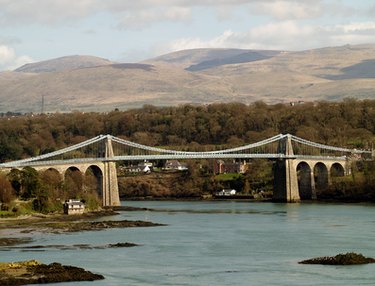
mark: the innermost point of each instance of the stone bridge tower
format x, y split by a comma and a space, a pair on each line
285, 174
110, 184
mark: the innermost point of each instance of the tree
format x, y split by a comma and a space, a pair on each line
9, 148
30, 183
73, 182
14, 177
259, 175
7, 192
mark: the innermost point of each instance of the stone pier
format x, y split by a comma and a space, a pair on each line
110, 184
285, 175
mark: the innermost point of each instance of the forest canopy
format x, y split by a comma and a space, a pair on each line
350, 123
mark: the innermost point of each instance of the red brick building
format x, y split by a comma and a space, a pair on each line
222, 167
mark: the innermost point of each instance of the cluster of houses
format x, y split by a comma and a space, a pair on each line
217, 167
147, 167
226, 193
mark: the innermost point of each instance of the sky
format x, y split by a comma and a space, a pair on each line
135, 30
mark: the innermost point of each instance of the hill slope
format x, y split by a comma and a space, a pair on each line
63, 64
191, 76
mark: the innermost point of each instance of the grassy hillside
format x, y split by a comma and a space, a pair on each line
191, 76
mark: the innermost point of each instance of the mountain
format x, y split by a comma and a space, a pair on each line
201, 59
197, 76
63, 64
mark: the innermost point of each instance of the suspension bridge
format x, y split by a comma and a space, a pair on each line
300, 167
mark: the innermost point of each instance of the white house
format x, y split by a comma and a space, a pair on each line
226, 192
175, 165
74, 207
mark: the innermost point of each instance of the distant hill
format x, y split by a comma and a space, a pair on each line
249, 56
186, 58
200, 59
63, 64
364, 69
196, 76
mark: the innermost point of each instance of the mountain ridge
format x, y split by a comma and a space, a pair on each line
198, 76
63, 63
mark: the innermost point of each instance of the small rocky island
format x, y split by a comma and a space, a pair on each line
73, 223
34, 272
349, 258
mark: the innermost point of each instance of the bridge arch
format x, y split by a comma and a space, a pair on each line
93, 180
305, 182
52, 177
321, 176
73, 180
337, 170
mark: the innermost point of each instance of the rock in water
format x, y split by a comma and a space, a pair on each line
349, 258
34, 272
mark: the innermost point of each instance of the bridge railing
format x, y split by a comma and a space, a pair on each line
93, 150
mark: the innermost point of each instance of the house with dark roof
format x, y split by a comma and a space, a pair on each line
175, 165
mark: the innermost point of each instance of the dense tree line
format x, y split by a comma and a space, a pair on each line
349, 123
46, 191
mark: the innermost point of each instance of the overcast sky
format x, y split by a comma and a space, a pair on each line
134, 30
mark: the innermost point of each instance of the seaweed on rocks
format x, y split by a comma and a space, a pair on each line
349, 258
34, 272
10, 241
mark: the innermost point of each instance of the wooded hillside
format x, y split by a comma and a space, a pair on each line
350, 123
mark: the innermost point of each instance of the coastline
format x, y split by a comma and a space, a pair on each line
16, 230
15, 234
35, 272
230, 217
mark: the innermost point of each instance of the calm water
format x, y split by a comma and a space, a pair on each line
222, 243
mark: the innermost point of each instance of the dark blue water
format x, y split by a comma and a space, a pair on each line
222, 243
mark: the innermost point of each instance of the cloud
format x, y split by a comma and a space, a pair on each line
143, 18
264, 24
283, 9
352, 33
280, 35
9, 59
364, 27
283, 35
43, 11
141, 12
128, 14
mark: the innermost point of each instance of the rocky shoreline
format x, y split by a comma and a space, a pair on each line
34, 272
62, 227
18, 228
59, 223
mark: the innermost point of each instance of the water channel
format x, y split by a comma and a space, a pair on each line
221, 243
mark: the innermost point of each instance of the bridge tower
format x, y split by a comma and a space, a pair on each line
110, 184
285, 174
